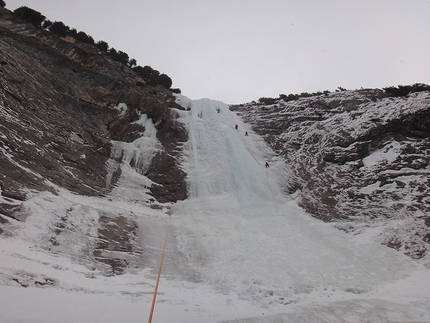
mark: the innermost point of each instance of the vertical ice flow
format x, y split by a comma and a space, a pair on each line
239, 231
220, 160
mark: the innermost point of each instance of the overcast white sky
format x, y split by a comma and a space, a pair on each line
237, 51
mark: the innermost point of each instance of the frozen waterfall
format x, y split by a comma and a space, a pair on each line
240, 232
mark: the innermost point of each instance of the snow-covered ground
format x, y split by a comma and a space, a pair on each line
239, 250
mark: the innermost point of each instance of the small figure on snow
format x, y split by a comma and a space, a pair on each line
267, 165
246, 133
235, 126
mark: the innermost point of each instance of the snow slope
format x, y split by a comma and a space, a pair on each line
238, 251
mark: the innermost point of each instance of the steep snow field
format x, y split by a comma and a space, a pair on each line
239, 250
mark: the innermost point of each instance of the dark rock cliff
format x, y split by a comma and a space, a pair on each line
58, 100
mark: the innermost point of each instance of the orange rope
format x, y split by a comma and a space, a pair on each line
159, 273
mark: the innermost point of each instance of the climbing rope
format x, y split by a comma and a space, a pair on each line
151, 312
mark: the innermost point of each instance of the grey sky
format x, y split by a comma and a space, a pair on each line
237, 51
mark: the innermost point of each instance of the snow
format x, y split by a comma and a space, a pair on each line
139, 153
239, 249
388, 153
144, 121
122, 108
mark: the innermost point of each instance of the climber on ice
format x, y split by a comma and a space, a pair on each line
235, 127
246, 133
267, 165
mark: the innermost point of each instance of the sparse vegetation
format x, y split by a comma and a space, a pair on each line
59, 28
144, 72
164, 80
46, 24
150, 75
265, 100
119, 56
103, 46
394, 91
83, 37
404, 90
29, 15
290, 97
132, 63
154, 77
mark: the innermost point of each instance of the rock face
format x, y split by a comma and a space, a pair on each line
359, 158
58, 102
62, 105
